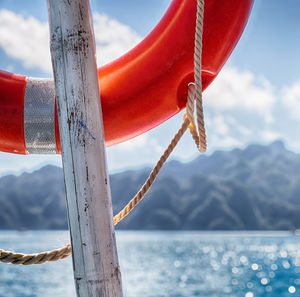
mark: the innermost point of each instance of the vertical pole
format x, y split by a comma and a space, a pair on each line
95, 260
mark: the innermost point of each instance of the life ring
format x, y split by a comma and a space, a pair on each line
139, 90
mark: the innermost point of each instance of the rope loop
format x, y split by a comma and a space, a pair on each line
199, 137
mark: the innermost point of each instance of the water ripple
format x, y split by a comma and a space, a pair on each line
168, 264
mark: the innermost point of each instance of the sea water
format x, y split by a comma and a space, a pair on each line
167, 264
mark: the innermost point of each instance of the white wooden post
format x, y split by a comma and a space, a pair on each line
95, 260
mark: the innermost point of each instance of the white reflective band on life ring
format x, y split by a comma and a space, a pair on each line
39, 116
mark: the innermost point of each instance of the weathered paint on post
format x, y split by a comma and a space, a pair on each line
95, 260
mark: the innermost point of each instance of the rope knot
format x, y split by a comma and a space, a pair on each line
199, 134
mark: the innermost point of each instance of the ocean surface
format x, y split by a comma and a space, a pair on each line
167, 264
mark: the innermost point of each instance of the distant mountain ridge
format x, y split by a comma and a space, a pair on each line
256, 188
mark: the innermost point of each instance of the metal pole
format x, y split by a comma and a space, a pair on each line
95, 260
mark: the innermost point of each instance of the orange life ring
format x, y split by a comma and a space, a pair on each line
139, 90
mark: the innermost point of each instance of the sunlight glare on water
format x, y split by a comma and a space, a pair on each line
167, 264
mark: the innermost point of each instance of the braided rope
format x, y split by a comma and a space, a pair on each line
146, 186
29, 259
199, 136
190, 115
188, 122
201, 144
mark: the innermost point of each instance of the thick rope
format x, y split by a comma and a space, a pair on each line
199, 136
188, 122
29, 259
146, 186
201, 144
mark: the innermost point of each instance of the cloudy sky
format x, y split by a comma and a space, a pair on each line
255, 99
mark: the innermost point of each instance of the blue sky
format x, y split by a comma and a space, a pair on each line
256, 97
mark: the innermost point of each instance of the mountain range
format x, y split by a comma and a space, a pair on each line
256, 188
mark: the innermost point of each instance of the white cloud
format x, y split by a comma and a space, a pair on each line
223, 131
224, 142
244, 130
27, 39
238, 126
218, 125
138, 151
290, 98
269, 135
134, 143
112, 38
241, 90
